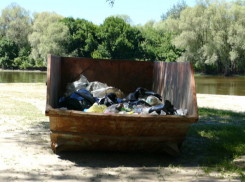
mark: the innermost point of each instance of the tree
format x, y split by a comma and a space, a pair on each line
111, 2
236, 38
8, 52
157, 45
48, 36
126, 18
175, 10
212, 34
82, 37
15, 24
118, 40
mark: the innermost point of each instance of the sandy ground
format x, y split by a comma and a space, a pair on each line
223, 102
25, 153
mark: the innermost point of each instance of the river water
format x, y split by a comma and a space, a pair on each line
204, 84
23, 76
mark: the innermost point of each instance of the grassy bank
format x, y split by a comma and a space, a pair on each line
208, 153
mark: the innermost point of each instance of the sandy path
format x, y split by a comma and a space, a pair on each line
223, 102
25, 153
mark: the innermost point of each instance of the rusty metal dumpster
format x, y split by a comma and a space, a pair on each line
76, 130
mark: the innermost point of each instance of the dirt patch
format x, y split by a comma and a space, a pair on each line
26, 154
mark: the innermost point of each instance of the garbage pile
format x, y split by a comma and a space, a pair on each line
98, 97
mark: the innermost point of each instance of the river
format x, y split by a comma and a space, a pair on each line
217, 85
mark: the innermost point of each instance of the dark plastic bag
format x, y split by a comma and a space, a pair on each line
142, 93
168, 108
109, 99
139, 102
79, 100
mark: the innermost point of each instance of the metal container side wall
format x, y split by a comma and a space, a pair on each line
175, 82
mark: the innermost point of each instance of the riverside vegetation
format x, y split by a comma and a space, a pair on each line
210, 34
208, 153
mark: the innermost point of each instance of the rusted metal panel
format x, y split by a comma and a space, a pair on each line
175, 82
76, 130
134, 126
53, 80
73, 142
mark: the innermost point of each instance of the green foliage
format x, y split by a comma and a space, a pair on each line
15, 23
157, 45
118, 40
82, 40
8, 51
212, 34
175, 11
48, 36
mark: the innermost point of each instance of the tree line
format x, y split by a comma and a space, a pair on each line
210, 35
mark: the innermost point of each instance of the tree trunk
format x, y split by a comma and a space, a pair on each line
227, 71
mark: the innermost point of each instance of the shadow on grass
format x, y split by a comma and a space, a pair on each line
215, 140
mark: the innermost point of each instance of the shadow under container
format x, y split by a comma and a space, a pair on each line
72, 130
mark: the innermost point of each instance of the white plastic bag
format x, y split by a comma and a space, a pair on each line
145, 111
99, 93
82, 83
153, 100
181, 112
95, 86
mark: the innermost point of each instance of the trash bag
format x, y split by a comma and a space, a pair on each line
104, 91
142, 94
82, 83
138, 102
115, 108
78, 100
139, 93
168, 108
109, 99
181, 112
153, 100
148, 93
96, 86
96, 108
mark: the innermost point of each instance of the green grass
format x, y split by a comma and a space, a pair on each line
216, 140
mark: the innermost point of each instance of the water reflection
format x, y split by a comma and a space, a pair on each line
220, 85
23, 77
204, 84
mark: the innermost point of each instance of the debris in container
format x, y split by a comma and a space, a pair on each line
109, 99
82, 83
145, 111
97, 97
63, 108
111, 109
139, 102
78, 100
153, 100
96, 108
180, 112
154, 113
97, 89
168, 108
142, 94
104, 91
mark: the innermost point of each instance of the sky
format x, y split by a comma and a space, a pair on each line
96, 11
